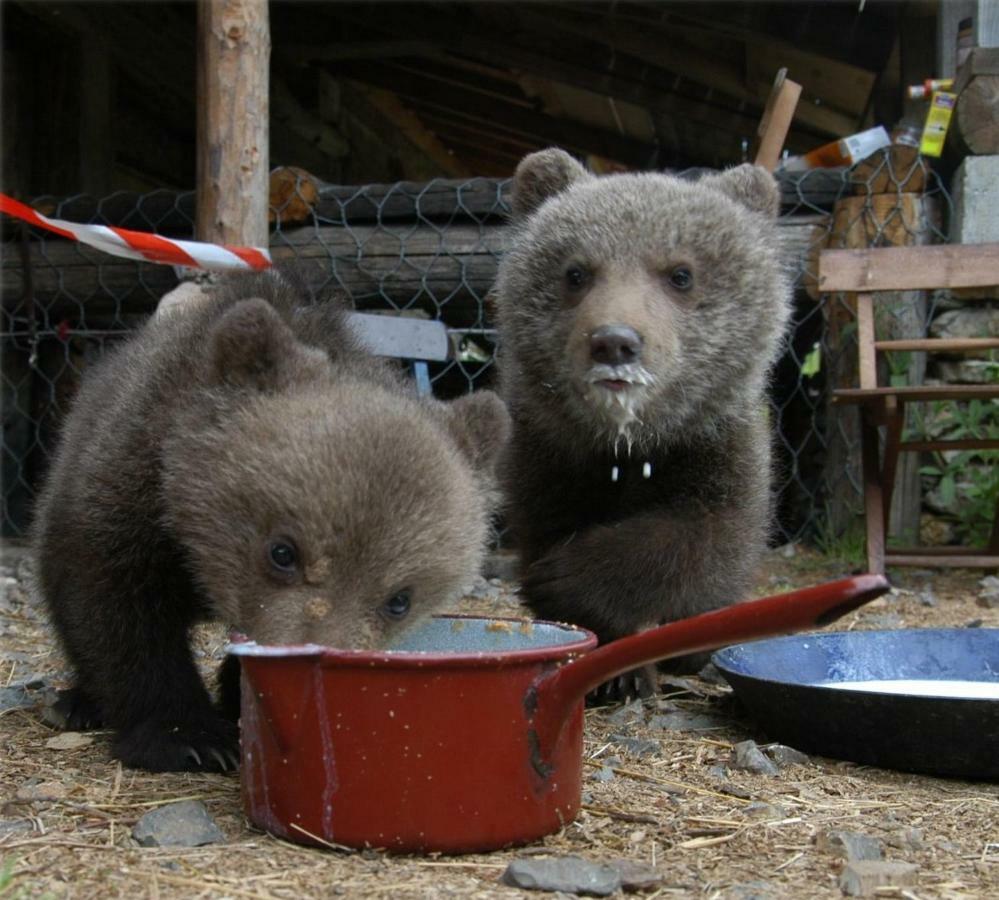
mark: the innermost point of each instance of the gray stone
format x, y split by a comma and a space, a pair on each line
766, 811
711, 675
966, 371
750, 890
604, 774
886, 620
975, 189
636, 876
850, 845
568, 873
184, 824
725, 786
23, 694
746, 755
988, 595
735, 790
637, 746
927, 597
908, 838
862, 878
687, 721
15, 698
684, 684
969, 321
9, 826
629, 714
783, 755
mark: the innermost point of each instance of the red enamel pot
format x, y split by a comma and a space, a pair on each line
467, 737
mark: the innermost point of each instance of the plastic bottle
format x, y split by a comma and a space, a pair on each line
844, 152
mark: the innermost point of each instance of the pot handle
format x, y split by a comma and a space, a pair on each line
810, 607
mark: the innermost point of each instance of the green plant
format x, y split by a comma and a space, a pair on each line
848, 546
7, 875
967, 481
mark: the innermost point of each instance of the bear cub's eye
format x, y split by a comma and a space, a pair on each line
283, 556
681, 278
397, 606
576, 277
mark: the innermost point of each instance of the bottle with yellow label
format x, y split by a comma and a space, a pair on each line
937, 122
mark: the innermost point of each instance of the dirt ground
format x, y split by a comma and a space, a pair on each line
709, 830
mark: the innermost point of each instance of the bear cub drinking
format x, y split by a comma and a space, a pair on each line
245, 460
639, 315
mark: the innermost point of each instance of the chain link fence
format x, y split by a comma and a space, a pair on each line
432, 250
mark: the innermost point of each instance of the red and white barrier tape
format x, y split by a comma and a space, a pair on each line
143, 246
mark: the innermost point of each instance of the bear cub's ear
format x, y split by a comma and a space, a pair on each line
250, 346
752, 186
542, 175
480, 425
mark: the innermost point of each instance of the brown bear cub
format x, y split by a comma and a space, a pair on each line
245, 460
639, 315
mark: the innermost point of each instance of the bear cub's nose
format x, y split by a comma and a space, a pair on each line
615, 345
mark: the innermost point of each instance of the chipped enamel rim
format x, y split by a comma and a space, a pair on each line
577, 642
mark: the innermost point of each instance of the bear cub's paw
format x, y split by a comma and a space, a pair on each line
206, 744
641, 683
75, 710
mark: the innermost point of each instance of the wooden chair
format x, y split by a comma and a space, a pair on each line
862, 272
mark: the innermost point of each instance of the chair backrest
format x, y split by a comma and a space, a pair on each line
864, 272
909, 268
418, 341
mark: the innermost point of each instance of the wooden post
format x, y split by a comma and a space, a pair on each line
234, 48
975, 128
776, 121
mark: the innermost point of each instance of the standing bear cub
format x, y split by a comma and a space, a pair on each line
639, 315
245, 460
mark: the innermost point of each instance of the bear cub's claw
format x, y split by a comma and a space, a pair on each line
638, 683
211, 745
74, 710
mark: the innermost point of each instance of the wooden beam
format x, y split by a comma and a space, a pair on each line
865, 341
476, 136
388, 105
557, 67
965, 444
155, 58
828, 33
934, 557
569, 62
873, 497
481, 160
941, 345
233, 59
288, 113
917, 393
909, 268
476, 106
686, 62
